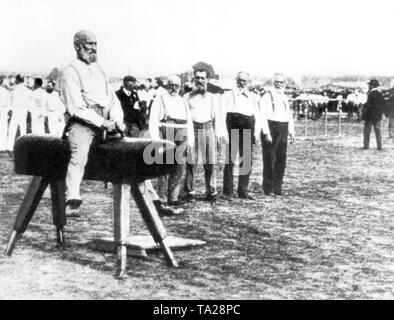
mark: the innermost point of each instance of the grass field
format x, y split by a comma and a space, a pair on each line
329, 237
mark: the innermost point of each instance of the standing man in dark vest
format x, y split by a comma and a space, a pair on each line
372, 114
128, 97
276, 123
240, 107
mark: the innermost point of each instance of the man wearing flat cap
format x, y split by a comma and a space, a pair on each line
91, 106
372, 114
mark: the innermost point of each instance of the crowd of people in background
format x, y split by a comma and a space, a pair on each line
195, 114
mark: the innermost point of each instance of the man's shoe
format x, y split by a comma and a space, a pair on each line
212, 197
245, 196
267, 192
227, 197
74, 204
190, 197
165, 211
176, 203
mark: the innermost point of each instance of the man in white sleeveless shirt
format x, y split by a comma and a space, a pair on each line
91, 104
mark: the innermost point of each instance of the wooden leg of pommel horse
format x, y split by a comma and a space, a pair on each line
121, 194
28, 207
144, 201
59, 209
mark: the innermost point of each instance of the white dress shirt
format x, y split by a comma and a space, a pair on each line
5, 99
54, 104
20, 99
276, 109
83, 86
243, 102
38, 106
174, 107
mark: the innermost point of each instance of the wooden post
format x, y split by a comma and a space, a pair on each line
121, 195
340, 117
58, 209
28, 207
306, 122
325, 121
152, 220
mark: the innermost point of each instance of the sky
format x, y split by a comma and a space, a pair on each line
148, 38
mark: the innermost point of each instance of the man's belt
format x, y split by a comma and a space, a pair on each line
202, 124
173, 123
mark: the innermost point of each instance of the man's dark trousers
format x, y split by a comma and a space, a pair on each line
242, 127
274, 157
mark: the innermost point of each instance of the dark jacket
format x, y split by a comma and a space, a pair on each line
129, 113
374, 106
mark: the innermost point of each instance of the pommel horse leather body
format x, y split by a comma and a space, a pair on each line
119, 161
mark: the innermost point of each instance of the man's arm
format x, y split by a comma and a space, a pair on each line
154, 119
264, 104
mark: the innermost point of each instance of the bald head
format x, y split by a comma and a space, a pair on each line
84, 36
85, 44
174, 84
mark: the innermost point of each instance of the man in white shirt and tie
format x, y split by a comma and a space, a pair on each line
240, 107
170, 119
205, 110
276, 123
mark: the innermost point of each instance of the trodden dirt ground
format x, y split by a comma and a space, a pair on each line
330, 236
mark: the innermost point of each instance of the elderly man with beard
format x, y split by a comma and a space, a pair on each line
207, 120
170, 119
276, 123
91, 107
242, 111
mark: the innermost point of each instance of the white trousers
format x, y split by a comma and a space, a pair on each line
55, 123
37, 124
18, 120
3, 128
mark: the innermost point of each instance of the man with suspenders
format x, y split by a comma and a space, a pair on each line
91, 104
240, 107
170, 119
276, 123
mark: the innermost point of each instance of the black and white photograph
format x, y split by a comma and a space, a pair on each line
196, 150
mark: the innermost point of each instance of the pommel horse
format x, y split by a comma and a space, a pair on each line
120, 162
